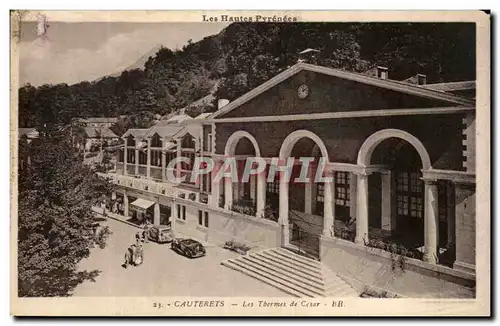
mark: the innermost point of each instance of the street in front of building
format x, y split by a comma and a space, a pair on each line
164, 272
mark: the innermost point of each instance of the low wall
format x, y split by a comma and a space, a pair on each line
155, 173
224, 226
360, 265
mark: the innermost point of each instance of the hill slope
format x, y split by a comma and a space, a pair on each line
244, 55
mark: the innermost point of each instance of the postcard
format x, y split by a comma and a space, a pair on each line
250, 163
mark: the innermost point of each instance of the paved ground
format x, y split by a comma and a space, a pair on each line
165, 273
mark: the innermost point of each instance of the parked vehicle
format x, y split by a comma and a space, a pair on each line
160, 233
188, 247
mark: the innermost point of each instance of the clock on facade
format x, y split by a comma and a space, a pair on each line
303, 91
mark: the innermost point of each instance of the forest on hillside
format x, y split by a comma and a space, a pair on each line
244, 55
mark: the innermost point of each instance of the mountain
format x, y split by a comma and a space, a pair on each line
244, 55
139, 64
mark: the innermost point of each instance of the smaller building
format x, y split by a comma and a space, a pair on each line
99, 122
97, 137
28, 133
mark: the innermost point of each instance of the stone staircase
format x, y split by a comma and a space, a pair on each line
292, 273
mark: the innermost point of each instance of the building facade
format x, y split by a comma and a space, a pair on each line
401, 157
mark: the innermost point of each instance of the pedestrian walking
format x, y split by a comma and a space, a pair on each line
138, 237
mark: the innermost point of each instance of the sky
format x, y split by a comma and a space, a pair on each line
74, 52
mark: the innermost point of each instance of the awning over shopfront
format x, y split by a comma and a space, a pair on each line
142, 203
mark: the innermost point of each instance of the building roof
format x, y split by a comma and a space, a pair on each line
179, 118
108, 133
452, 86
203, 115
136, 133
309, 50
99, 132
164, 131
98, 120
28, 132
356, 77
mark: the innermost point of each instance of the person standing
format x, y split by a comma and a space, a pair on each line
145, 233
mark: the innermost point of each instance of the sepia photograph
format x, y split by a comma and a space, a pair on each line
246, 163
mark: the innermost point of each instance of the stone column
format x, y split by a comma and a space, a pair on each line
163, 165
465, 212
353, 194
173, 216
450, 215
314, 191
431, 221
308, 195
253, 186
362, 209
179, 154
236, 185
156, 220
125, 157
283, 213
215, 195
329, 207
228, 192
261, 194
125, 204
388, 219
137, 142
148, 161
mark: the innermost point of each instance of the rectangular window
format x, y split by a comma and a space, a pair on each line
207, 182
170, 157
320, 195
181, 212
130, 155
273, 187
402, 181
188, 166
156, 158
342, 188
409, 199
416, 207
206, 219
203, 218
415, 182
143, 158
200, 217
208, 143
402, 205
121, 155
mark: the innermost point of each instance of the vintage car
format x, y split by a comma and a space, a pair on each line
188, 247
161, 233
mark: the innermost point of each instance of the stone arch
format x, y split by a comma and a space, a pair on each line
233, 141
294, 137
369, 145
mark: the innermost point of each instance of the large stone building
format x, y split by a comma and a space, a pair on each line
402, 158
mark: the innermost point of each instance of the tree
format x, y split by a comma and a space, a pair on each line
55, 218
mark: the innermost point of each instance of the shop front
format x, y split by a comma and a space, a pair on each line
143, 209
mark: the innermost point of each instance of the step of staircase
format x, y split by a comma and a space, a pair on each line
291, 273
